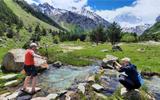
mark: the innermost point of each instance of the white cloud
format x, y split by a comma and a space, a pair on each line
140, 12
32, 1
66, 4
146, 10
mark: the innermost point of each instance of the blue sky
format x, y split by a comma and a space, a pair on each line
109, 4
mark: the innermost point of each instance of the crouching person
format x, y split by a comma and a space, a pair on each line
131, 79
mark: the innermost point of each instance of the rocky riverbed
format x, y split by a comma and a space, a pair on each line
69, 80
58, 79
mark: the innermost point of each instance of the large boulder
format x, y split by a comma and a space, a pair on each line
81, 87
57, 64
116, 48
13, 61
107, 62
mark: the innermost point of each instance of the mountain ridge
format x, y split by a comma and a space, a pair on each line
84, 18
137, 29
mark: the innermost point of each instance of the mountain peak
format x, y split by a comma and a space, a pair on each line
46, 5
137, 29
158, 19
79, 17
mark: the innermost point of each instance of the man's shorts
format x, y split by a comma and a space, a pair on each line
30, 70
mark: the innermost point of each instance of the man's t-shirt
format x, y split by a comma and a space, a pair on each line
29, 58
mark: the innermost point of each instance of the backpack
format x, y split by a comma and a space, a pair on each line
140, 79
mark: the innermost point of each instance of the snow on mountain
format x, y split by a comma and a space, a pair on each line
79, 17
158, 19
137, 29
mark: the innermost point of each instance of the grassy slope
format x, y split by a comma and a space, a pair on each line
148, 60
28, 19
154, 29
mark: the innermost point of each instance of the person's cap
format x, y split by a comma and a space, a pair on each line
126, 59
33, 45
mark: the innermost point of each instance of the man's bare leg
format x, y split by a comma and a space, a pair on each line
34, 83
27, 79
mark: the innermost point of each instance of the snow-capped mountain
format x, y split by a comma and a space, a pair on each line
128, 19
79, 17
158, 19
137, 29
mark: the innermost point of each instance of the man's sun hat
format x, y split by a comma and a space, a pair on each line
126, 59
33, 45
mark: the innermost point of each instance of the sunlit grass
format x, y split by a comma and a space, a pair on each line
147, 60
27, 18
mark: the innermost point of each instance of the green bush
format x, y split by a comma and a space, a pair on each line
10, 33
56, 39
128, 38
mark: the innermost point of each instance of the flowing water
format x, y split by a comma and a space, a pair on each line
153, 85
58, 79
55, 79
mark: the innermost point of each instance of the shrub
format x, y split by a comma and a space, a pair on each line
10, 33
56, 39
128, 38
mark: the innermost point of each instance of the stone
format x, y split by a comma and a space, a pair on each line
8, 77
3, 98
52, 96
29, 89
101, 72
13, 61
5, 94
69, 94
135, 95
111, 57
131, 95
107, 62
24, 97
62, 92
1, 40
11, 83
141, 50
81, 87
100, 95
40, 98
57, 64
104, 50
123, 91
12, 96
116, 48
97, 87
111, 73
91, 78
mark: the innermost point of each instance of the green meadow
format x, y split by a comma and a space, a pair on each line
83, 53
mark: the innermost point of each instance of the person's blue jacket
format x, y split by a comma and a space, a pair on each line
132, 73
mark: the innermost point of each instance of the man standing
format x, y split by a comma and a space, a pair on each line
29, 67
131, 79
